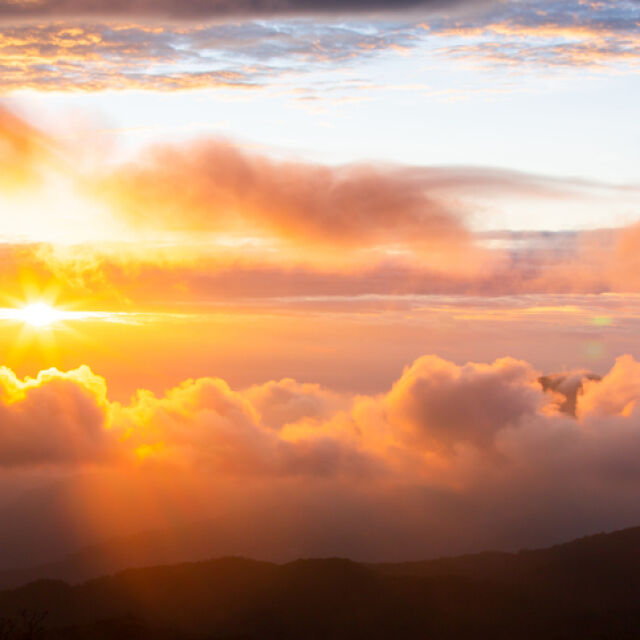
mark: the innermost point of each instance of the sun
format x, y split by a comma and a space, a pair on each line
41, 321
39, 314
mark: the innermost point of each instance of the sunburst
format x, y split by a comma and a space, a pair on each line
42, 317
39, 314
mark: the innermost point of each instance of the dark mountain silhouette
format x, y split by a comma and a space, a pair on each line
168, 546
589, 588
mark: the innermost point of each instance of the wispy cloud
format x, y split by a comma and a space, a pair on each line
545, 34
164, 55
171, 57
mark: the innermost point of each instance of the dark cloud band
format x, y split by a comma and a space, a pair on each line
187, 9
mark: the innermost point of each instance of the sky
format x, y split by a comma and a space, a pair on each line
364, 273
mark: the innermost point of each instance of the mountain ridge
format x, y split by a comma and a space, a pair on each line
587, 588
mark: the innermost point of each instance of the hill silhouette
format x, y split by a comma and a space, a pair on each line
588, 588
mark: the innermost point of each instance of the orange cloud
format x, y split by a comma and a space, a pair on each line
233, 191
162, 57
210, 222
284, 402
166, 47
569, 386
287, 427
616, 394
56, 418
543, 34
439, 403
65, 418
433, 461
24, 152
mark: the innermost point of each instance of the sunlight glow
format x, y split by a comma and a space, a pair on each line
40, 314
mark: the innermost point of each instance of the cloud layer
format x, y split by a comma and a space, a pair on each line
96, 46
200, 9
166, 57
433, 409
210, 221
449, 447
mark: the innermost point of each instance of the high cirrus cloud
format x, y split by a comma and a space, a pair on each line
96, 46
172, 45
170, 57
545, 34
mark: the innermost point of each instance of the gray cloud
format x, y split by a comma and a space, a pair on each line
547, 34
198, 9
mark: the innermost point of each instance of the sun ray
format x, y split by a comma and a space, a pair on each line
42, 319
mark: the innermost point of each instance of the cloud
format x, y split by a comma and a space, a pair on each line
235, 191
570, 386
623, 262
209, 221
283, 402
446, 451
166, 57
56, 418
299, 276
100, 46
64, 418
202, 9
439, 403
281, 426
535, 34
615, 394
24, 152
231, 190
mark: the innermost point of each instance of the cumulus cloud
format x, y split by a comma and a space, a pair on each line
438, 403
65, 419
56, 418
569, 386
445, 453
280, 426
283, 402
616, 394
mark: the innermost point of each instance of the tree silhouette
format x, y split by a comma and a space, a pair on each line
32, 628
7, 628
